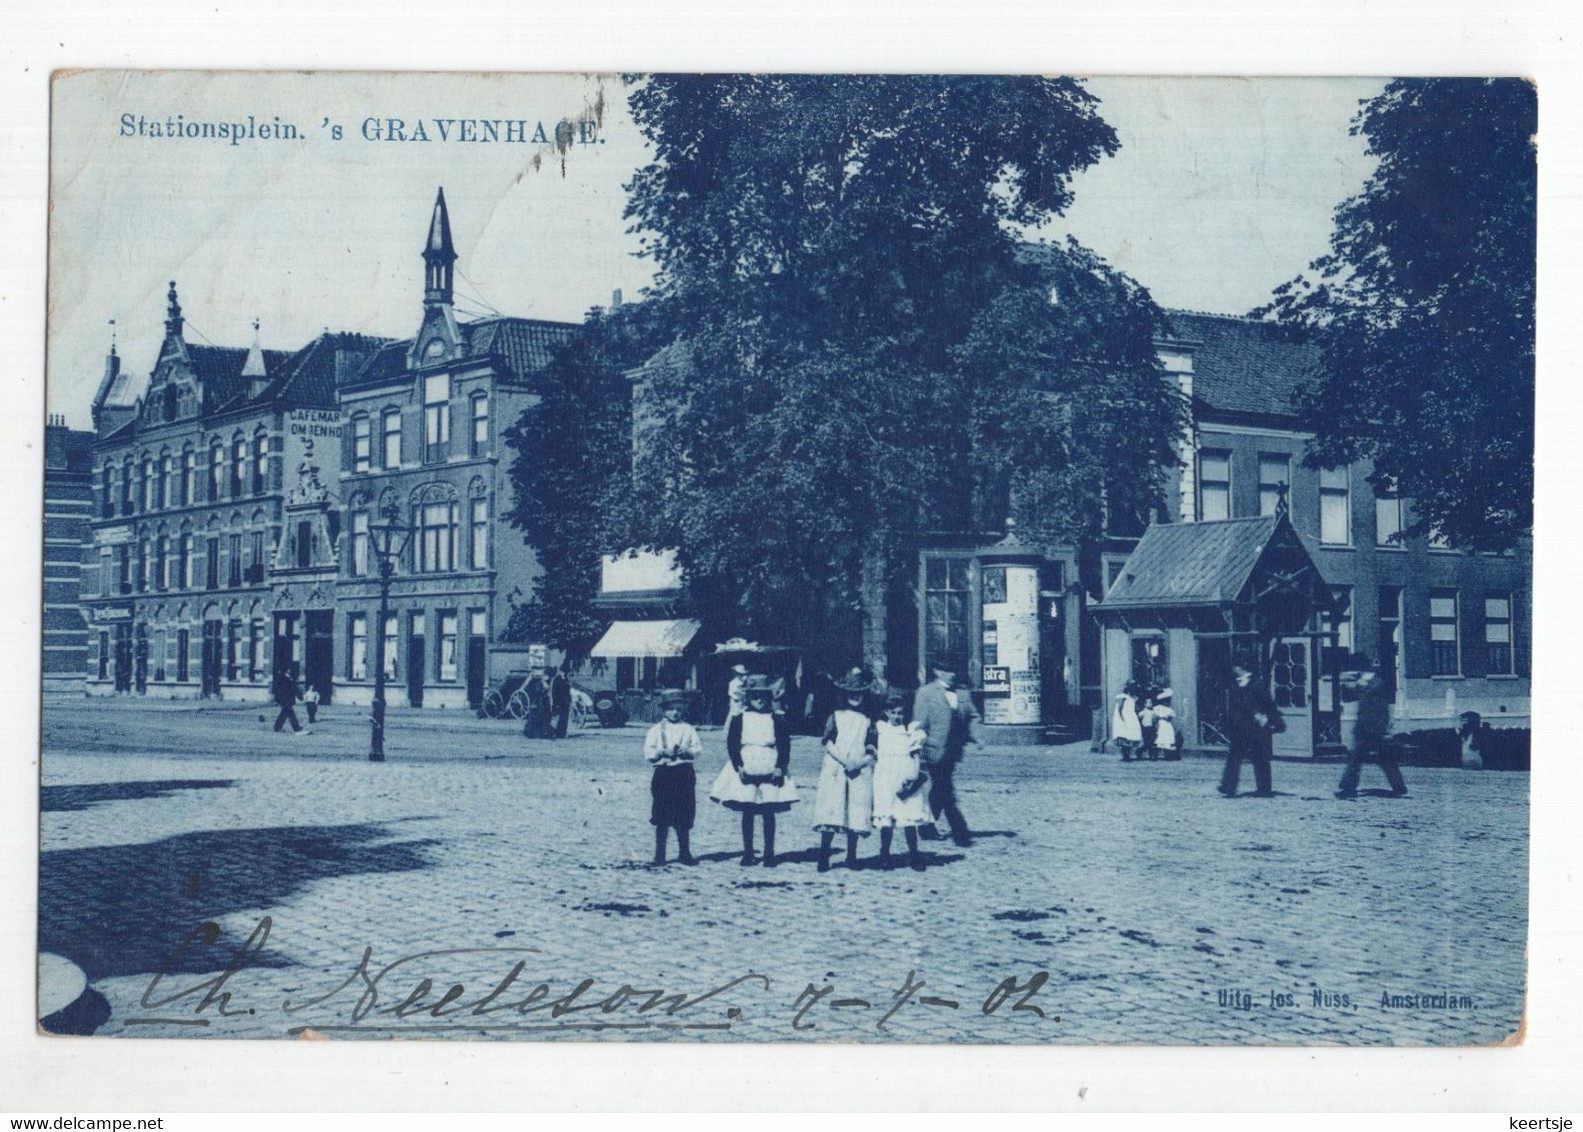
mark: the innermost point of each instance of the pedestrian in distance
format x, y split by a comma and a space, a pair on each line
1368, 734
735, 700
1167, 739
900, 782
1251, 720
560, 701
1148, 722
285, 691
671, 747
946, 716
310, 703
845, 801
1126, 726
536, 724
756, 780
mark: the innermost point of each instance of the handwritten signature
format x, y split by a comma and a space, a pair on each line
399, 996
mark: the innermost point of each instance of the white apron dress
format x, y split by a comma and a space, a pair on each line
758, 757
845, 805
897, 765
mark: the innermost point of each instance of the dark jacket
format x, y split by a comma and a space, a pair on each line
560, 693
285, 689
1245, 732
1374, 713
948, 729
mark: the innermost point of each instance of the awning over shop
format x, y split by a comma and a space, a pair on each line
646, 638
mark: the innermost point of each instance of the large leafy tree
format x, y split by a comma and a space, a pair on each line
1424, 308
855, 346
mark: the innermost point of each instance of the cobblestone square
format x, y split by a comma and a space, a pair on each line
1101, 902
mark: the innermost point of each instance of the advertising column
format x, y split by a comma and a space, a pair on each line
1011, 644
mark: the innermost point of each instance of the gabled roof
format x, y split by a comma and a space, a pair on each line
524, 346
1241, 365
1179, 564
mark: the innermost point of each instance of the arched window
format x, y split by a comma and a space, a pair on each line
434, 521
167, 480
216, 469
128, 487
260, 462
189, 471
238, 465
148, 483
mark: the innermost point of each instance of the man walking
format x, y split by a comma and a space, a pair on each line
286, 696
561, 702
1368, 736
946, 716
1251, 718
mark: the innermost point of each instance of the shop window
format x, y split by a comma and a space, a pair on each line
946, 592
1151, 662
447, 643
357, 633
104, 656
255, 649
388, 646
183, 643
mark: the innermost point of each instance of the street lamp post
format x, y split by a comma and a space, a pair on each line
389, 540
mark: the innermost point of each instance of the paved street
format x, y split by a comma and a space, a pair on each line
1153, 904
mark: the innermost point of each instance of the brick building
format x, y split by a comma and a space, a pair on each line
68, 504
422, 423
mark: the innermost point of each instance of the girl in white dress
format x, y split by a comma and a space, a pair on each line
900, 786
846, 780
1125, 726
756, 781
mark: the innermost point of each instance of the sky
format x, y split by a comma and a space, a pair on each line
1222, 190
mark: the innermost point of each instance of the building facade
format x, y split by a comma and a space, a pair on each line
421, 446
68, 506
190, 484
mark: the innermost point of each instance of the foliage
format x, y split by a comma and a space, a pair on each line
1424, 308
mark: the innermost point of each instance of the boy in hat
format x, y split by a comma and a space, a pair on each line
846, 782
670, 747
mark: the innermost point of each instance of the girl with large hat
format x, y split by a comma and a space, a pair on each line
756, 781
846, 778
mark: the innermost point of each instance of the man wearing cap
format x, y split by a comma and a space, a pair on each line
946, 715
1368, 735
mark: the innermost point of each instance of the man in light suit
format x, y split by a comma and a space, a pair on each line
946, 715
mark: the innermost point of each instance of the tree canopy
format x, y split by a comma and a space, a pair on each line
856, 347
1424, 308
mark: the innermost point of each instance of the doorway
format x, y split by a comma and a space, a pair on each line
415, 668
319, 653
123, 658
213, 651
1292, 687
477, 658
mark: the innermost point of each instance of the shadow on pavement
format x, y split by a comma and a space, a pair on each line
57, 799
124, 909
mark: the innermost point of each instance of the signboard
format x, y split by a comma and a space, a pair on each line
112, 612
538, 656
997, 682
313, 438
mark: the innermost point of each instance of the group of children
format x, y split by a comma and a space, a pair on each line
1144, 724
871, 776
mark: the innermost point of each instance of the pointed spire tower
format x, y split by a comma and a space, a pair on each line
438, 337
439, 256
253, 368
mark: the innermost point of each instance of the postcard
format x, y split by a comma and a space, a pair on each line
788, 557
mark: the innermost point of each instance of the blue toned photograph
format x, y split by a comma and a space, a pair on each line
788, 558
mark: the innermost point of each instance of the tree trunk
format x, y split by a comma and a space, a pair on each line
872, 589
